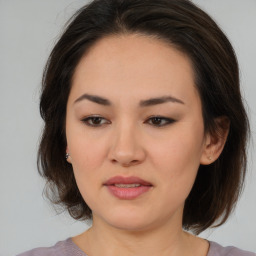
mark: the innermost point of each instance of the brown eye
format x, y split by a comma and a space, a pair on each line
160, 121
94, 121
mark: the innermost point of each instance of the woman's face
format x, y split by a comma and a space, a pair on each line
135, 131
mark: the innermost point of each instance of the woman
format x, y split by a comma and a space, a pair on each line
145, 130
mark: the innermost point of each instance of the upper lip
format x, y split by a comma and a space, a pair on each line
127, 180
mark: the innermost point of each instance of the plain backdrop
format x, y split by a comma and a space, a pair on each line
29, 29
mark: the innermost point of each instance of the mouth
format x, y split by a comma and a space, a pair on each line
127, 188
127, 185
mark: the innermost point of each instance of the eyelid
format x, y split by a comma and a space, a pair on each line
167, 120
87, 118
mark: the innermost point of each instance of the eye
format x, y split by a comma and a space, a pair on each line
95, 121
160, 121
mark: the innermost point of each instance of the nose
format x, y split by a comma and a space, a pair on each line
126, 147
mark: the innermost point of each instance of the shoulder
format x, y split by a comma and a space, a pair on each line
218, 250
61, 248
57, 249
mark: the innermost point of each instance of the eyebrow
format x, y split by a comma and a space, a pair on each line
143, 103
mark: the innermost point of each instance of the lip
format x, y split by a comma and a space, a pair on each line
127, 193
127, 180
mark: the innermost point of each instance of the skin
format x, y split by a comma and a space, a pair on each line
127, 69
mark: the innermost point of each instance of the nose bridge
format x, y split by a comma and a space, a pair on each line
125, 146
125, 136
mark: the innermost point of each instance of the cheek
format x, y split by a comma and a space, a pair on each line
87, 159
178, 157
86, 156
87, 152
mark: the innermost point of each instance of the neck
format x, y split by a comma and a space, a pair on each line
101, 239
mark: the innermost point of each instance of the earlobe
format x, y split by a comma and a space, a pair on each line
214, 143
68, 157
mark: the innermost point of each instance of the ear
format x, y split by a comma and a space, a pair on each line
68, 157
214, 143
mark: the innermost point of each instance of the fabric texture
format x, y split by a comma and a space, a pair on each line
68, 248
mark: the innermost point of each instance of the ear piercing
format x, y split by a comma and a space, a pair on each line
210, 158
67, 155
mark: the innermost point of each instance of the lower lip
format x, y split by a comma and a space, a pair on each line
128, 193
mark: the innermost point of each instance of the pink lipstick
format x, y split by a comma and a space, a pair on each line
127, 188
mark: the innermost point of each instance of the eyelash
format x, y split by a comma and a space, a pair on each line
87, 120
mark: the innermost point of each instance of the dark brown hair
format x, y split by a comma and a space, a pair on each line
186, 27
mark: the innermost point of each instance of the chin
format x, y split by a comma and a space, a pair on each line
130, 221
131, 226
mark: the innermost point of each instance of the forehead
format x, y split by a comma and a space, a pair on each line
134, 63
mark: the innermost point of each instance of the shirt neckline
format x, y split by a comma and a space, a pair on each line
70, 242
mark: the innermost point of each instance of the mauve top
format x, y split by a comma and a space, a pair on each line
68, 248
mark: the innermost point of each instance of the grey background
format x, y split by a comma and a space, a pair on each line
28, 30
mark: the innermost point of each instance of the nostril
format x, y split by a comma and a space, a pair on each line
133, 162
